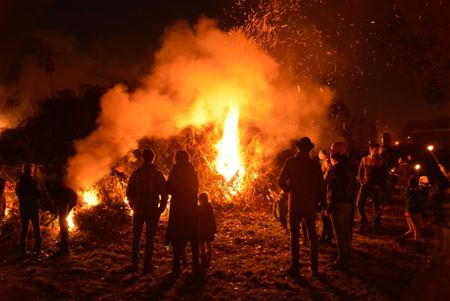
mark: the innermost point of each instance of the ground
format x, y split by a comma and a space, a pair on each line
251, 253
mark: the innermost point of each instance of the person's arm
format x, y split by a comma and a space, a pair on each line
444, 171
213, 219
283, 180
360, 176
131, 190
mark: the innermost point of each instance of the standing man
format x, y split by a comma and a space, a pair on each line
340, 201
372, 176
63, 199
301, 177
147, 197
29, 196
183, 220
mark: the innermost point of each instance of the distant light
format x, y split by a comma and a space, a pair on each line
409, 137
397, 142
417, 167
430, 147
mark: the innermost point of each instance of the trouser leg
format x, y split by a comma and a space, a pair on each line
151, 226
341, 218
138, 223
23, 233
63, 213
327, 228
36, 231
195, 253
311, 226
361, 203
305, 233
295, 236
377, 199
348, 229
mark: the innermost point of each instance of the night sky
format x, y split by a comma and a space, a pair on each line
387, 58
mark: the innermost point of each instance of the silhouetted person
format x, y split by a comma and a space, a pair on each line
340, 201
302, 178
183, 220
372, 176
207, 227
147, 197
63, 199
413, 210
29, 196
327, 228
441, 223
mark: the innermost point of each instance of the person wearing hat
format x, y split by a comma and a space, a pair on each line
301, 177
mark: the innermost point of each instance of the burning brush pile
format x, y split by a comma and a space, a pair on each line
219, 158
215, 93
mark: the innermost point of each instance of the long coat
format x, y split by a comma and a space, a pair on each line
301, 177
182, 185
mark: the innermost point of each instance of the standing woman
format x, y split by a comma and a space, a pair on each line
29, 196
182, 185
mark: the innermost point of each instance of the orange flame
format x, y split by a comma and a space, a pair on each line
70, 221
228, 161
90, 197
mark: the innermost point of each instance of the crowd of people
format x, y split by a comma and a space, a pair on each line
332, 186
338, 190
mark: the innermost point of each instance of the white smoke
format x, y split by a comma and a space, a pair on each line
198, 74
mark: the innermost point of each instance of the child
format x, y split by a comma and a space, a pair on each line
206, 226
413, 210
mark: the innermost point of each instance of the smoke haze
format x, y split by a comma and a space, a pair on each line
199, 73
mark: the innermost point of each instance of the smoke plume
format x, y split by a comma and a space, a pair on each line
199, 73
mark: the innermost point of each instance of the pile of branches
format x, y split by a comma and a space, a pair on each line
111, 218
257, 182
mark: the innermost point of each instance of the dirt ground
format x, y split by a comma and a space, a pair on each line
251, 253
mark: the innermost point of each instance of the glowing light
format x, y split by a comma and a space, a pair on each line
430, 148
70, 221
7, 212
90, 197
417, 167
397, 142
228, 162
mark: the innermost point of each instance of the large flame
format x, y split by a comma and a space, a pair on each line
228, 161
90, 197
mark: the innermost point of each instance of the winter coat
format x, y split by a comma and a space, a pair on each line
182, 185
207, 227
372, 171
302, 178
413, 203
28, 194
339, 183
146, 191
